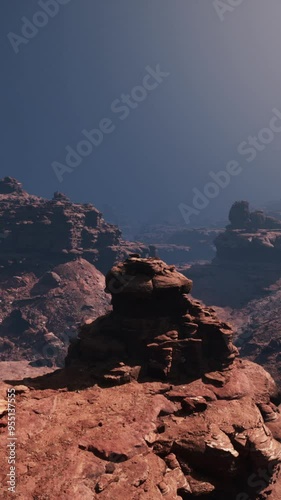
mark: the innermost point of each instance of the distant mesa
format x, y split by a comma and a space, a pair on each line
251, 236
241, 217
57, 229
247, 267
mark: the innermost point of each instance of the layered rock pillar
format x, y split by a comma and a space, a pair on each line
156, 325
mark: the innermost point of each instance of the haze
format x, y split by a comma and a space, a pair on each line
224, 81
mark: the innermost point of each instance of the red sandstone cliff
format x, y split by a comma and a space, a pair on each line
52, 253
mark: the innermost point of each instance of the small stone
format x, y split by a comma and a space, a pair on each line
171, 461
164, 488
215, 378
194, 404
110, 468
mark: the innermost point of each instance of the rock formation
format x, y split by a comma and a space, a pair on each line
248, 268
154, 402
156, 324
39, 314
51, 255
241, 217
36, 229
250, 236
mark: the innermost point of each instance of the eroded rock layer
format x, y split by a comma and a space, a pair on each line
247, 268
52, 253
251, 236
155, 325
33, 228
39, 314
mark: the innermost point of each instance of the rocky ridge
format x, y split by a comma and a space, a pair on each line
40, 314
247, 267
34, 229
251, 236
154, 402
52, 253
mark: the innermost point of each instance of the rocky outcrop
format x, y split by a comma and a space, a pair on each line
248, 270
153, 403
51, 255
241, 245
251, 236
155, 325
36, 229
39, 314
149, 440
241, 217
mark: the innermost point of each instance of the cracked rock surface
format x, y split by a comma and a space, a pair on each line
145, 440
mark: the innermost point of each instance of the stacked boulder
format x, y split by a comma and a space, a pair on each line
155, 327
250, 236
241, 217
216, 426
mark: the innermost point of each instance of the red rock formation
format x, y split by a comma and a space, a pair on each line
156, 324
34, 228
251, 236
247, 267
39, 314
210, 429
48, 282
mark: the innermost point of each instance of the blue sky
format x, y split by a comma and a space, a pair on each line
224, 81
